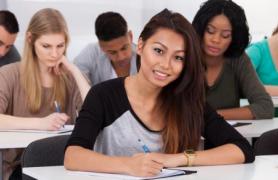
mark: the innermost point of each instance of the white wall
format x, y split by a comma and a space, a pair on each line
80, 15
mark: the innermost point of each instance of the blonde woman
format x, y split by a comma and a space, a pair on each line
30, 88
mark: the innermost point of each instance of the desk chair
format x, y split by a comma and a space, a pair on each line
44, 152
267, 143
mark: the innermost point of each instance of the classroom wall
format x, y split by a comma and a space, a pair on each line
80, 15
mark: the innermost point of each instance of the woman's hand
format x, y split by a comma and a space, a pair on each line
53, 122
62, 65
143, 165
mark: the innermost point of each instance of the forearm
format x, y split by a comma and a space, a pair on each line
81, 81
240, 113
81, 159
225, 154
13, 122
272, 90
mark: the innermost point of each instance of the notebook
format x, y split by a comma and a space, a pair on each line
66, 128
165, 173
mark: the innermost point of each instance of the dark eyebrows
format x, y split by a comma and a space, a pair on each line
182, 50
223, 30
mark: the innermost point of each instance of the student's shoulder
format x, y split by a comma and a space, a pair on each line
110, 84
109, 87
12, 68
90, 51
240, 62
91, 47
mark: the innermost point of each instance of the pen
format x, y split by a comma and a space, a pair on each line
185, 171
58, 109
145, 148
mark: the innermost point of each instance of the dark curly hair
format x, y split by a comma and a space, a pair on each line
237, 18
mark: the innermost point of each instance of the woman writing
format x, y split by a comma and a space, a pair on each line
162, 107
29, 88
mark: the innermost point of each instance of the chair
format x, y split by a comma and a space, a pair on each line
267, 143
44, 152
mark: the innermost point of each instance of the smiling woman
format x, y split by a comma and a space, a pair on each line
30, 87
160, 110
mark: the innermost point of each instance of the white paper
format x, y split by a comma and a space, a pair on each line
164, 173
66, 128
232, 123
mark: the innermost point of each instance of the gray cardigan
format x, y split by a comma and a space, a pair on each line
237, 80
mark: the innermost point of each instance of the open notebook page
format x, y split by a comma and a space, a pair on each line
164, 173
66, 128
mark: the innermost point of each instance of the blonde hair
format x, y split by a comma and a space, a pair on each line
45, 21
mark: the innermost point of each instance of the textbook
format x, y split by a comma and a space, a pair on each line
67, 128
164, 173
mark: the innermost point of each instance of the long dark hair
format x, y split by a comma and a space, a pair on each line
237, 18
181, 102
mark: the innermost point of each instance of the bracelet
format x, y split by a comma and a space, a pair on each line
190, 156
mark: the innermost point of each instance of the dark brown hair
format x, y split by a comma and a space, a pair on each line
181, 102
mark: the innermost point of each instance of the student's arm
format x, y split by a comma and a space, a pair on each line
272, 90
8, 79
51, 122
219, 135
224, 154
82, 159
79, 154
223, 145
236, 113
261, 105
81, 81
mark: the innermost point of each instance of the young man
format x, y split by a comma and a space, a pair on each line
114, 55
8, 32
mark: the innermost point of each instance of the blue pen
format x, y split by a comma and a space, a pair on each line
58, 109
145, 148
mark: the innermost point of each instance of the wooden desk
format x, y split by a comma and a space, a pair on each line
265, 167
10, 140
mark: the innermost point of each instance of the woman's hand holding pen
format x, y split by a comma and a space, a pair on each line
53, 121
143, 164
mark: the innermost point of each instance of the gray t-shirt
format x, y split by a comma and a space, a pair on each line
94, 63
10, 57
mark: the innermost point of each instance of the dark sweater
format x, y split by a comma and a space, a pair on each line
238, 80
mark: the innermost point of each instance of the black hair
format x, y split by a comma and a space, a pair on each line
9, 21
109, 26
237, 18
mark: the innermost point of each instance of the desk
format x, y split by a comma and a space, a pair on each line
11, 140
257, 128
263, 167
244, 102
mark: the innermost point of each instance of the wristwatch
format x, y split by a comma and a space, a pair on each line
190, 156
